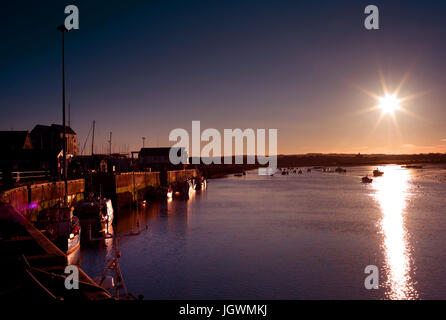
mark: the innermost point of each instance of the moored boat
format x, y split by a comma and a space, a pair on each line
95, 213
63, 228
366, 179
200, 183
377, 173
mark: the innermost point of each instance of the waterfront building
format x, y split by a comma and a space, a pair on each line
49, 138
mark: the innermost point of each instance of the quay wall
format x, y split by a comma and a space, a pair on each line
32, 199
126, 188
134, 186
177, 176
16, 197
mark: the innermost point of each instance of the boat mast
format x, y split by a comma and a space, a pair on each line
64, 137
92, 139
110, 143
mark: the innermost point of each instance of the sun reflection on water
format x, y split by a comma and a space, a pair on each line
392, 193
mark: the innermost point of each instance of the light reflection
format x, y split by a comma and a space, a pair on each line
392, 193
108, 242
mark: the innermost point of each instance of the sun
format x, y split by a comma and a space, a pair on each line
389, 104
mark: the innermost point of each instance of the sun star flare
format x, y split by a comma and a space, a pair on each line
389, 104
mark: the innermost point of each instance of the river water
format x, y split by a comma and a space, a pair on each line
307, 236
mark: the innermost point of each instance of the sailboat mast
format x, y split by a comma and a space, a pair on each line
92, 139
110, 143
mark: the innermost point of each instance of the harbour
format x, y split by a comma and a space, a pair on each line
354, 225
214, 159
123, 228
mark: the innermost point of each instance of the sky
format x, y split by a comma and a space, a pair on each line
144, 68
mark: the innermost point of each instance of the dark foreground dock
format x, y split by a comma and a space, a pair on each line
32, 267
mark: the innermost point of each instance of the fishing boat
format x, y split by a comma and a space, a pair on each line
95, 213
33, 267
377, 173
366, 179
62, 227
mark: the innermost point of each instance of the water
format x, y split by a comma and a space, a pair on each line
306, 236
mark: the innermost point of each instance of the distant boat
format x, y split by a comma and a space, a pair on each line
377, 173
366, 179
300, 172
239, 174
341, 170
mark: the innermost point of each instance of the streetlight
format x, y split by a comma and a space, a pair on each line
143, 141
63, 29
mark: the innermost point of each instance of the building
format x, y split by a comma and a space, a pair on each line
49, 138
36, 153
100, 163
19, 159
11, 141
159, 157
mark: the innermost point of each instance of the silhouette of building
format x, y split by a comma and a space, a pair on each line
158, 157
49, 138
11, 141
100, 163
18, 156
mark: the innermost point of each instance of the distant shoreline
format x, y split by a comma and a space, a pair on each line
221, 170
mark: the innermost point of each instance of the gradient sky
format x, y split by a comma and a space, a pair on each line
143, 68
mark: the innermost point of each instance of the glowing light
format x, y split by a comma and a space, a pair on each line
392, 193
389, 104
